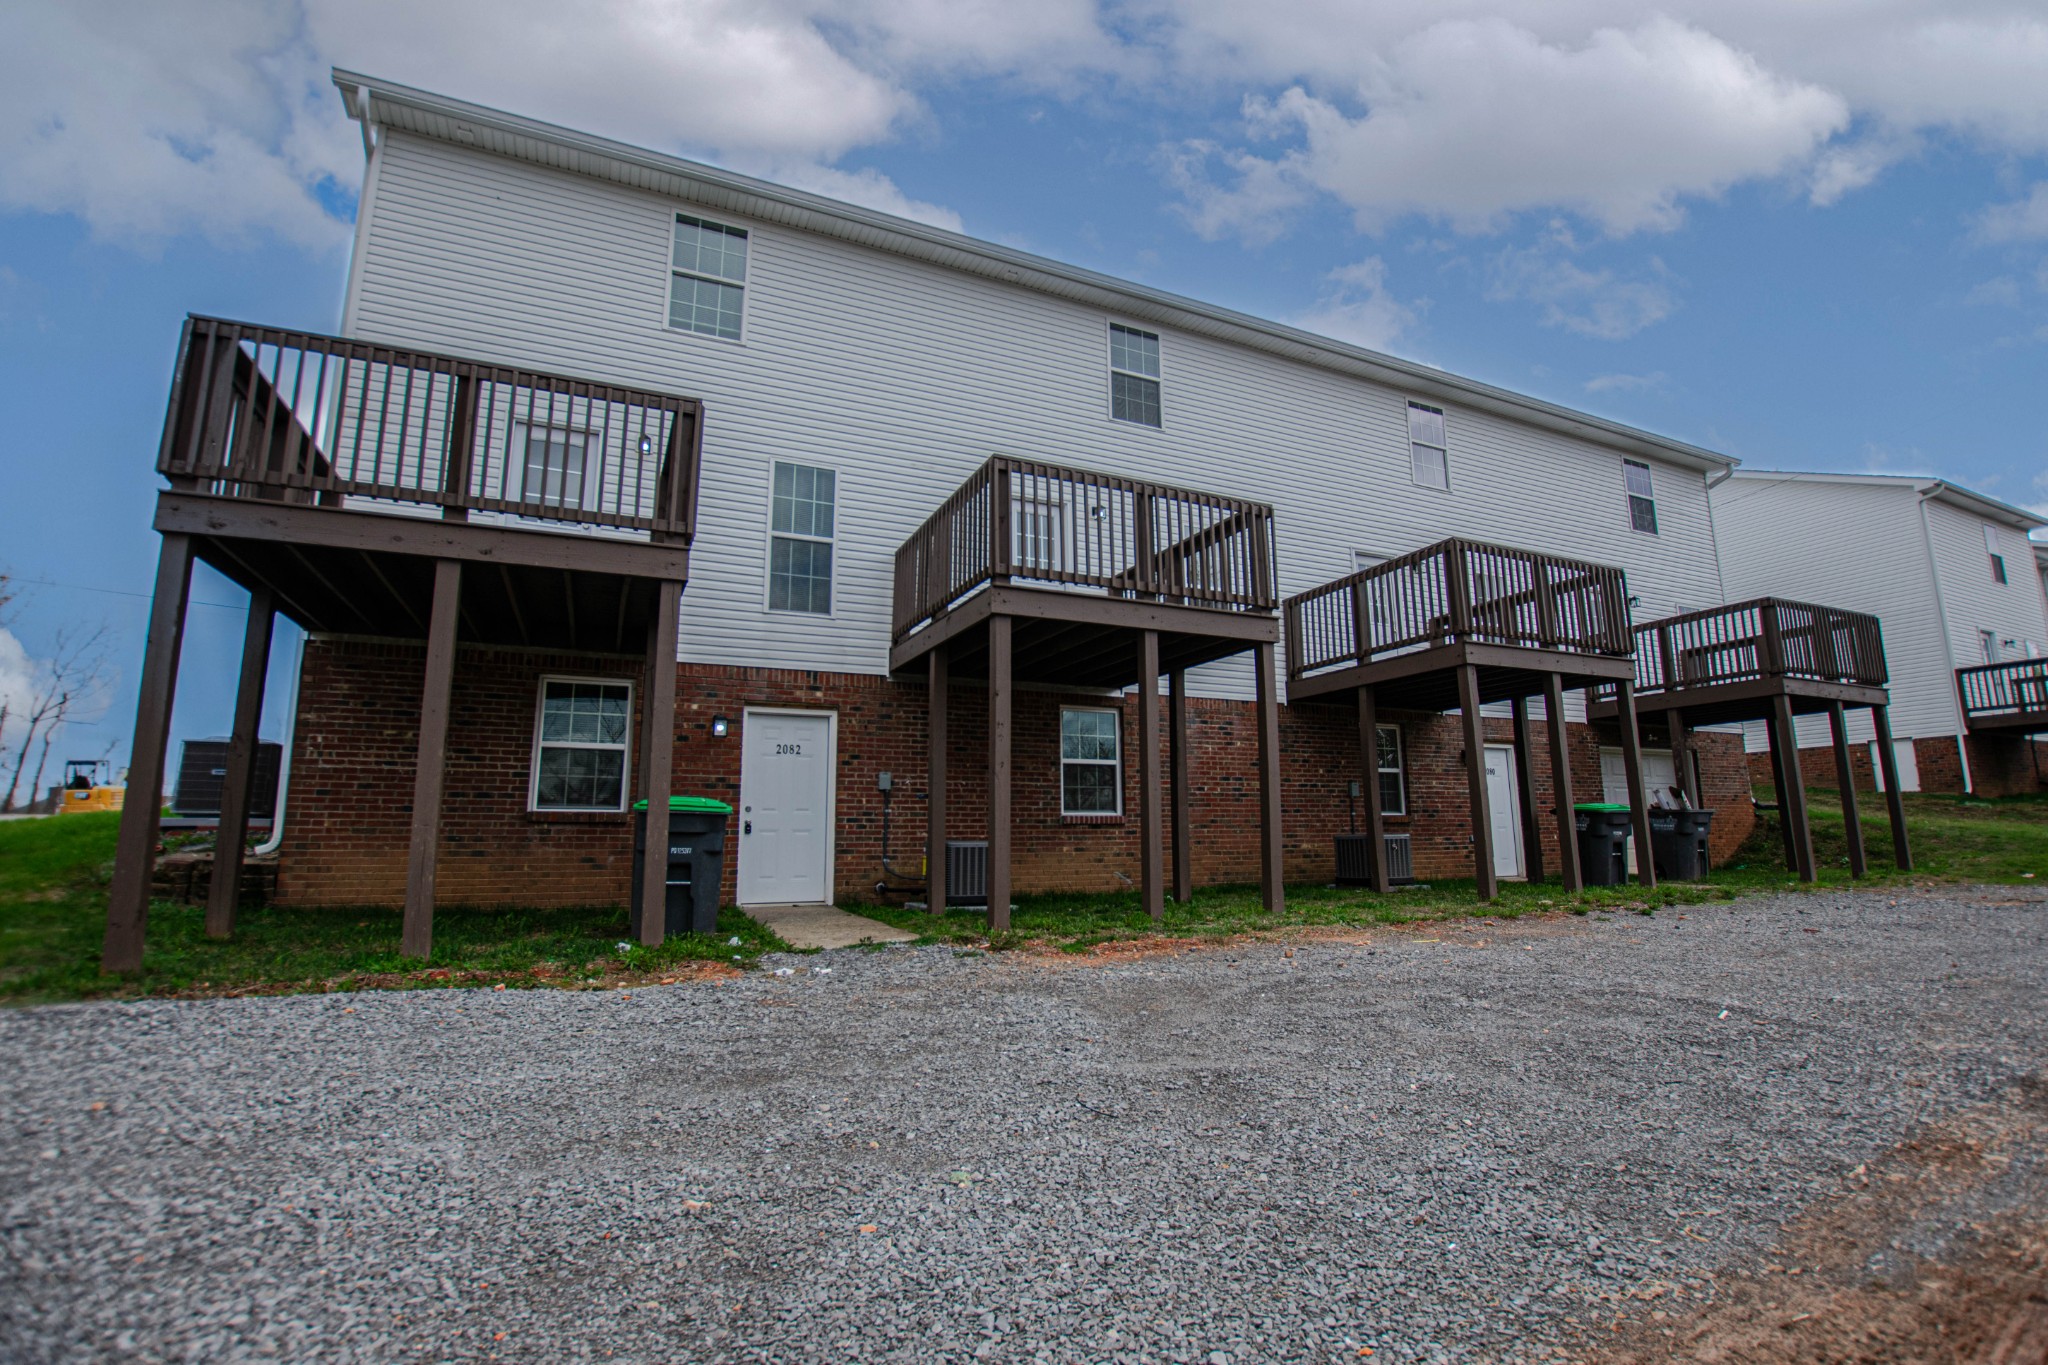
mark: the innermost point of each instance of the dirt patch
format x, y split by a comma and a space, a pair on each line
443, 978
1937, 1252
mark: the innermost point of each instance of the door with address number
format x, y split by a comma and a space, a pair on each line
785, 815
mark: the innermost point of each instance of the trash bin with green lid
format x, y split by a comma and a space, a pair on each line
696, 864
1603, 842
1678, 843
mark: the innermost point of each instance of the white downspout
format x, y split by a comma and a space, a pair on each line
1948, 643
284, 762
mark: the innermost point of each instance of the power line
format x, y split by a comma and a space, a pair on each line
122, 592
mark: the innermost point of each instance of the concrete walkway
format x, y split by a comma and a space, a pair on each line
825, 926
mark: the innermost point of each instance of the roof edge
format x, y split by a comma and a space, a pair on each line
367, 100
1926, 485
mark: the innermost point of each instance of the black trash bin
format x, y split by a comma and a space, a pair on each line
1603, 842
696, 863
1678, 843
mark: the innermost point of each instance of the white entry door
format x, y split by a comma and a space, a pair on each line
1504, 810
785, 816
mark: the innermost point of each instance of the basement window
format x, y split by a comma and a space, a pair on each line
1429, 459
1642, 498
1393, 787
1091, 761
708, 277
1133, 375
579, 744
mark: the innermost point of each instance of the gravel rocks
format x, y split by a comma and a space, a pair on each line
1446, 1143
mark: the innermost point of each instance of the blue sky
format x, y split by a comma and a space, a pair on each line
1809, 237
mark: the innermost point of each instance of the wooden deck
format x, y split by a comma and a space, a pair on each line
2005, 699
1047, 574
1455, 626
1772, 659
359, 488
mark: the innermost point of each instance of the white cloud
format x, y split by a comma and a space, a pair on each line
1358, 308
1625, 383
17, 683
1473, 121
1593, 303
2019, 221
866, 187
2001, 291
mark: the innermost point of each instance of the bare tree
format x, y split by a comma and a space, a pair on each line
74, 678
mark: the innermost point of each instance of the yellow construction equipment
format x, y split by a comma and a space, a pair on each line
84, 790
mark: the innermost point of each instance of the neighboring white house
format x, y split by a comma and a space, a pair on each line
884, 360
1950, 573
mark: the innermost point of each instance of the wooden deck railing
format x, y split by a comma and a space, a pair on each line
259, 412
2008, 689
1459, 591
1769, 637
1025, 522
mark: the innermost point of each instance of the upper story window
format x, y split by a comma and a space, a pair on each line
707, 286
1996, 550
1091, 762
1428, 453
579, 744
803, 510
1642, 498
1133, 375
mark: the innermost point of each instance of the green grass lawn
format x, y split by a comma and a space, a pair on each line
53, 905
53, 877
1954, 840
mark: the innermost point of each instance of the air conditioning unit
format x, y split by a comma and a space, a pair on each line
1353, 868
967, 872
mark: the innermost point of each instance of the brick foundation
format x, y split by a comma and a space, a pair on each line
349, 810
1999, 766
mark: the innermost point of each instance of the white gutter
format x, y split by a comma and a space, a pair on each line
284, 762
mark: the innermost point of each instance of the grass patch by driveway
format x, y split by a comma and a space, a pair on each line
53, 879
1954, 839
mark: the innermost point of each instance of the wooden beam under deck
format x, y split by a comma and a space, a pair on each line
1752, 699
1427, 679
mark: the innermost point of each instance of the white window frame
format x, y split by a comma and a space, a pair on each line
832, 541
1400, 769
540, 697
743, 284
1158, 381
1116, 715
1629, 468
522, 432
1414, 444
1048, 512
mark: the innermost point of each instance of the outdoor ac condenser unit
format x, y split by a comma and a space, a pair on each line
967, 872
1352, 868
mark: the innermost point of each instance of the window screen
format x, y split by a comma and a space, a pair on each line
1091, 762
803, 510
1133, 375
1642, 499
708, 275
1428, 453
580, 745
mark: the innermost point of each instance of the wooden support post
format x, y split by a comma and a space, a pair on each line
1794, 801
430, 766
142, 808
1561, 784
1525, 782
938, 679
1683, 758
1272, 871
224, 893
1852, 816
1475, 782
1894, 799
1177, 779
998, 772
1638, 799
657, 758
1369, 785
1151, 859
1778, 788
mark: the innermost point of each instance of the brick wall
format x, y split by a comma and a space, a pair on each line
348, 819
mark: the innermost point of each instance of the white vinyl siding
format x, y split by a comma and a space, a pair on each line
1091, 761
581, 729
555, 275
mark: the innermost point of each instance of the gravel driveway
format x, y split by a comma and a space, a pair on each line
1468, 1142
